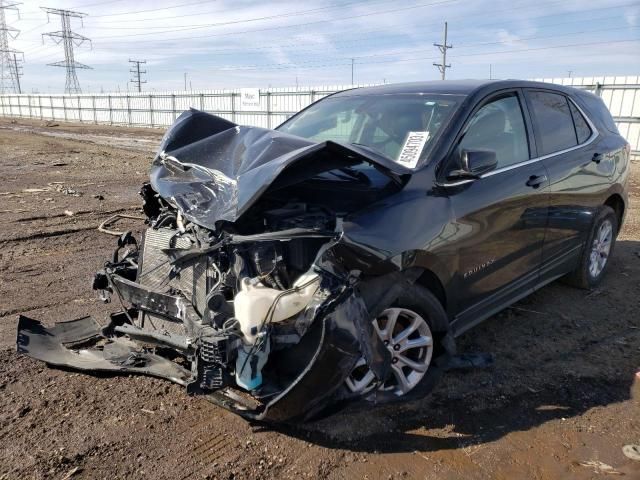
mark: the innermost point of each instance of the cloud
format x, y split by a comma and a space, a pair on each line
509, 39
231, 44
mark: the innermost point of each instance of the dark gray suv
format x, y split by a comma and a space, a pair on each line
338, 257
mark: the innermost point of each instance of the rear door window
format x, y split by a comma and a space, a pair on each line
554, 121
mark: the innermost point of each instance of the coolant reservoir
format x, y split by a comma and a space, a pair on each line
253, 303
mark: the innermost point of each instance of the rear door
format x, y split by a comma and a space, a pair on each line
578, 173
500, 218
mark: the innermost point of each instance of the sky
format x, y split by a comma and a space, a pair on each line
257, 43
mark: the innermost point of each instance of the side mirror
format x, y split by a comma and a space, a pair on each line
474, 163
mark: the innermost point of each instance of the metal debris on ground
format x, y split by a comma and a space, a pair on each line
67, 190
632, 452
109, 222
34, 190
599, 467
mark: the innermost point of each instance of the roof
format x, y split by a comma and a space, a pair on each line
450, 87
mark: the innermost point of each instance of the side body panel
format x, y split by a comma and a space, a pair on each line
501, 226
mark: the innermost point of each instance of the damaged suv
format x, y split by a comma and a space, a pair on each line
337, 257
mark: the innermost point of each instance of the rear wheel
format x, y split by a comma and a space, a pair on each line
597, 251
410, 329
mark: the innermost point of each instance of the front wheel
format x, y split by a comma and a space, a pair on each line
411, 329
597, 250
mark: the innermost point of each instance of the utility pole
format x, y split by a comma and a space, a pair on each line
353, 60
443, 47
490, 72
68, 40
137, 80
9, 81
185, 81
569, 72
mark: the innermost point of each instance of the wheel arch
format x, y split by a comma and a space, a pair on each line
616, 202
429, 280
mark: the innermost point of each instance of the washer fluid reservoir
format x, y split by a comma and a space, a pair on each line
256, 305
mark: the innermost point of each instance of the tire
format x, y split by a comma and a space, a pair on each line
586, 275
424, 306
421, 300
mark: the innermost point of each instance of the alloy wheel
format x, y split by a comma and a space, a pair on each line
600, 248
409, 339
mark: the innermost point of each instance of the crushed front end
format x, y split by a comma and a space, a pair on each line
243, 288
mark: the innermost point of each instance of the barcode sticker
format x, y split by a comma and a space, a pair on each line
410, 153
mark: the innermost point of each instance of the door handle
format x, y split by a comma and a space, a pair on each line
597, 158
536, 180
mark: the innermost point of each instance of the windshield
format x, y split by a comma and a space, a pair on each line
401, 127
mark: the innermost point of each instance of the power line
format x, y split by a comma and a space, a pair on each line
9, 73
163, 38
106, 2
360, 40
232, 22
405, 51
443, 47
68, 38
180, 5
347, 61
332, 20
137, 73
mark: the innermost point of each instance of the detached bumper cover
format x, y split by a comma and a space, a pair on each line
80, 344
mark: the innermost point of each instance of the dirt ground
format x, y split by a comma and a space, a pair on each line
559, 401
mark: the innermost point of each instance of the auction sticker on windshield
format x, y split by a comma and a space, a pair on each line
410, 153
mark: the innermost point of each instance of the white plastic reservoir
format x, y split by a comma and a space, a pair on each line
252, 304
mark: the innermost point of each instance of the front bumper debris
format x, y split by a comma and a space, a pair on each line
82, 344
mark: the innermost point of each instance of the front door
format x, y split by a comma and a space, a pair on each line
500, 217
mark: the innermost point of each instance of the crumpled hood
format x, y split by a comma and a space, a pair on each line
212, 169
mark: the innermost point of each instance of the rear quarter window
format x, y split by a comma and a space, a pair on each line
583, 131
597, 108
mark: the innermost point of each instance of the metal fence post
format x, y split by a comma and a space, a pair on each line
53, 111
110, 110
268, 109
64, 107
79, 109
598, 90
2, 105
151, 110
129, 109
40, 106
19, 105
95, 113
233, 107
29, 101
173, 107
202, 102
